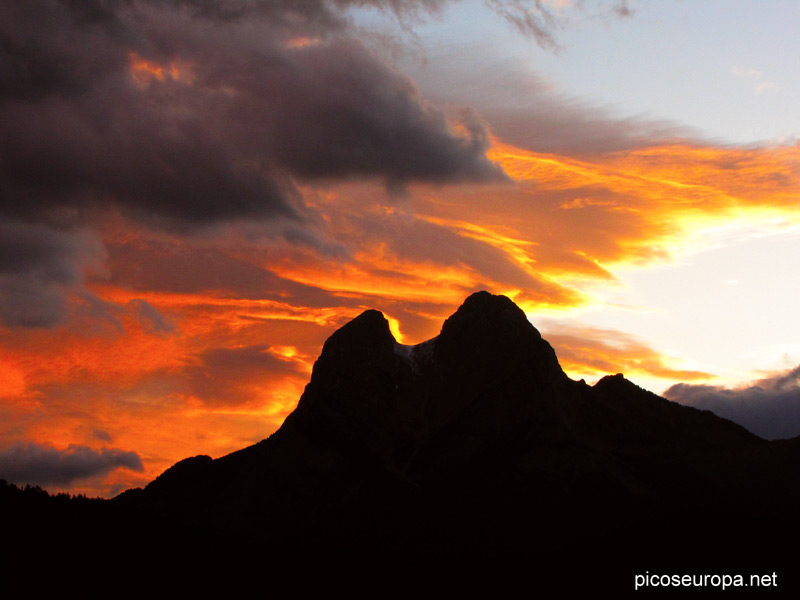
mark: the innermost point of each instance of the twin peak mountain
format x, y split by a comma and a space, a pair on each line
472, 442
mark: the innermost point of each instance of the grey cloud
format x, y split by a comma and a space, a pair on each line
622, 9
43, 49
768, 407
319, 15
533, 18
530, 18
40, 267
101, 434
30, 302
99, 311
79, 132
30, 463
351, 116
572, 127
541, 20
305, 15
532, 112
152, 318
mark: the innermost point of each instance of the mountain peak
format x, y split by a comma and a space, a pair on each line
483, 310
493, 334
364, 334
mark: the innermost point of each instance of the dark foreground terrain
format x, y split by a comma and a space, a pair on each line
467, 463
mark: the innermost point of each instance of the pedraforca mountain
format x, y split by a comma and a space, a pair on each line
476, 446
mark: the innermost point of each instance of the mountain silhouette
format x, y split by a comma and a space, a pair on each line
475, 448
473, 459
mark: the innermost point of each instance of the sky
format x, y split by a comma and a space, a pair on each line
194, 194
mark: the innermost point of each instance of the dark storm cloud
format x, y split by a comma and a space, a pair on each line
39, 268
79, 131
351, 116
769, 407
199, 120
190, 113
30, 463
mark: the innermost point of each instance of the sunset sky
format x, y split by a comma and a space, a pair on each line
196, 193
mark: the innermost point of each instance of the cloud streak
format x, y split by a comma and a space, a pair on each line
598, 352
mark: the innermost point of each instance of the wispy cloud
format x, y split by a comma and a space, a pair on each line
759, 82
592, 352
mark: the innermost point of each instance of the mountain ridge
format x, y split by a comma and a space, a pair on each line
472, 459
467, 462
484, 399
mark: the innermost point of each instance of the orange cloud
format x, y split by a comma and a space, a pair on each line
567, 218
145, 72
586, 352
215, 337
678, 181
12, 380
302, 42
224, 376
